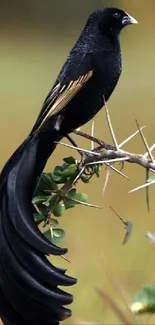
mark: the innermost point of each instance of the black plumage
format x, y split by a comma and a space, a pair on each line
28, 282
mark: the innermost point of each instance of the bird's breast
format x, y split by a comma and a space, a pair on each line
107, 70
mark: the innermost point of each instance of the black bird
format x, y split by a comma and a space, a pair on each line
29, 293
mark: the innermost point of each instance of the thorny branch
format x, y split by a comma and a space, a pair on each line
107, 155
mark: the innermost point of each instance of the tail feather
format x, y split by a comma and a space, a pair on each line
28, 282
24, 279
19, 193
8, 315
30, 258
31, 310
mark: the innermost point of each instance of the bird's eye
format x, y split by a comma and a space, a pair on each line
117, 15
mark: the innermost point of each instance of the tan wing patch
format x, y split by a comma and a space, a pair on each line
65, 95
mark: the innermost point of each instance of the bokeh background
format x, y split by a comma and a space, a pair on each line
35, 38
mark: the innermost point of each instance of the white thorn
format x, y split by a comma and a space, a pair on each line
142, 186
130, 137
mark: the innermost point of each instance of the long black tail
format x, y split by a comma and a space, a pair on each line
29, 292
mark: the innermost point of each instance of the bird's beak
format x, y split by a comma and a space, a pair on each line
128, 20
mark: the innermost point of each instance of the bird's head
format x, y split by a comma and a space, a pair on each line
111, 19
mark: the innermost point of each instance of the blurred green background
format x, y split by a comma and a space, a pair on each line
35, 38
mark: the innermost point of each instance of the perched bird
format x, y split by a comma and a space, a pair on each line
29, 293
90, 72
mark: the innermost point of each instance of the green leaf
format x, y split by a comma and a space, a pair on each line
54, 222
84, 178
72, 170
52, 200
58, 171
58, 235
81, 197
144, 301
97, 169
40, 199
69, 160
56, 178
77, 196
46, 204
71, 196
46, 182
59, 210
72, 193
42, 209
67, 171
55, 235
48, 235
68, 204
58, 168
39, 218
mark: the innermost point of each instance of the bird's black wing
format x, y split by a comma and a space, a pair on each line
65, 88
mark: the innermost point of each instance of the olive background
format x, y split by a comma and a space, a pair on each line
35, 38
